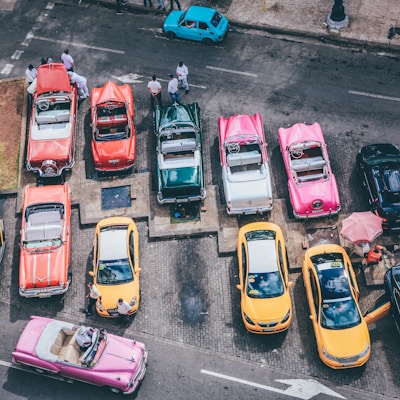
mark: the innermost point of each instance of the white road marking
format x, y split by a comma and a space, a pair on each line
304, 389
7, 69
17, 54
65, 42
376, 96
27, 39
231, 71
49, 6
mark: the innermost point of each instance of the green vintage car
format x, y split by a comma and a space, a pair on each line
179, 155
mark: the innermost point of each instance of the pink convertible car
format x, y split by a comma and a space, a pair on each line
50, 346
313, 190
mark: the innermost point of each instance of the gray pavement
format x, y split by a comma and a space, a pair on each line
369, 20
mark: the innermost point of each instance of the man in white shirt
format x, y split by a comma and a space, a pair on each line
84, 337
123, 309
173, 89
154, 88
31, 73
93, 296
182, 72
80, 82
68, 61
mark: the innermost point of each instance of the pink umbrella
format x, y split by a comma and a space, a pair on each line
361, 227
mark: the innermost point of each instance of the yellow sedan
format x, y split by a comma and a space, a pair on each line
264, 278
332, 292
116, 265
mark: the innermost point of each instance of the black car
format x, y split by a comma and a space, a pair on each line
379, 167
392, 292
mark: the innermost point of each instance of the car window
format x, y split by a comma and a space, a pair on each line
340, 314
281, 261
314, 291
244, 263
216, 19
132, 248
114, 272
204, 26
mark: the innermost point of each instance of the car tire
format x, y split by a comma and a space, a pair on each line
171, 35
208, 41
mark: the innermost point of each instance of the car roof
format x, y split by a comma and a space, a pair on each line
200, 13
113, 244
262, 256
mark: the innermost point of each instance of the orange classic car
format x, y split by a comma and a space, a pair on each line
51, 139
45, 241
113, 132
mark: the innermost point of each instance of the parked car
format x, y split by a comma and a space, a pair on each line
50, 347
51, 138
245, 170
45, 248
341, 332
264, 285
379, 168
313, 191
197, 23
116, 266
113, 132
179, 153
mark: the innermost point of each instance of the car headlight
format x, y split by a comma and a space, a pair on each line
133, 301
248, 320
22, 289
286, 317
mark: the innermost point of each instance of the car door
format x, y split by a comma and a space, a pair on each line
188, 29
378, 309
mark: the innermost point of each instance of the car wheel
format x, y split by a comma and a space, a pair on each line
171, 35
70, 277
115, 390
208, 41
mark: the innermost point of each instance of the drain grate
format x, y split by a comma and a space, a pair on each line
116, 197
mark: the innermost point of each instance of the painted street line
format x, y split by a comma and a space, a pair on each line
232, 71
17, 54
376, 96
7, 69
303, 389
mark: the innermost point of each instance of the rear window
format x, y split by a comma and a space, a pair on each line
216, 19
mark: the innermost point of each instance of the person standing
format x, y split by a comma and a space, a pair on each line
154, 88
93, 296
31, 73
161, 6
67, 60
145, 3
123, 309
171, 2
173, 89
182, 72
80, 82
120, 4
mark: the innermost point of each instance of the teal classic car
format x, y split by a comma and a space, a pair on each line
197, 23
179, 155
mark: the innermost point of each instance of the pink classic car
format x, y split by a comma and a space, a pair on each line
313, 190
114, 138
51, 347
51, 139
244, 161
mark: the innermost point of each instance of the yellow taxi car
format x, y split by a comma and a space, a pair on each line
264, 278
341, 332
116, 265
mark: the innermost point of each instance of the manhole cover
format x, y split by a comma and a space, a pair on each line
116, 197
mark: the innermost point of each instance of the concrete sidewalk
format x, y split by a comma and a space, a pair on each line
369, 20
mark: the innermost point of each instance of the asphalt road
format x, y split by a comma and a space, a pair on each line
352, 94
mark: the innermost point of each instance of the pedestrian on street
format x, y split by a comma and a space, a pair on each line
145, 3
31, 73
154, 88
93, 296
171, 2
120, 4
46, 60
80, 82
173, 89
67, 60
182, 72
123, 309
161, 6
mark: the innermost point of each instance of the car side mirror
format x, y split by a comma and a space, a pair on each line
290, 284
239, 287
312, 317
138, 269
91, 273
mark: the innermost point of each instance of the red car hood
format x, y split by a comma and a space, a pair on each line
240, 126
114, 149
40, 150
301, 133
44, 269
52, 78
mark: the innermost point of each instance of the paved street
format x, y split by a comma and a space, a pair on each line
188, 284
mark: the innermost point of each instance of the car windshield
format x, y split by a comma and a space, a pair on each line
340, 314
93, 353
114, 272
264, 285
38, 245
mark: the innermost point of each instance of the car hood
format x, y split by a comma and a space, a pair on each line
267, 310
38, 270
111, 293
121, 150
345, 342
41, 150
172, 20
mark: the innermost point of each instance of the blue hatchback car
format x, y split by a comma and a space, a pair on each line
197, 23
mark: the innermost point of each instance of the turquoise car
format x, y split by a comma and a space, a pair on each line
197, 23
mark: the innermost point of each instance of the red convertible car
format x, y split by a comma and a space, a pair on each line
79, 353
313, 190
51, 139
45, 248
113, 133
